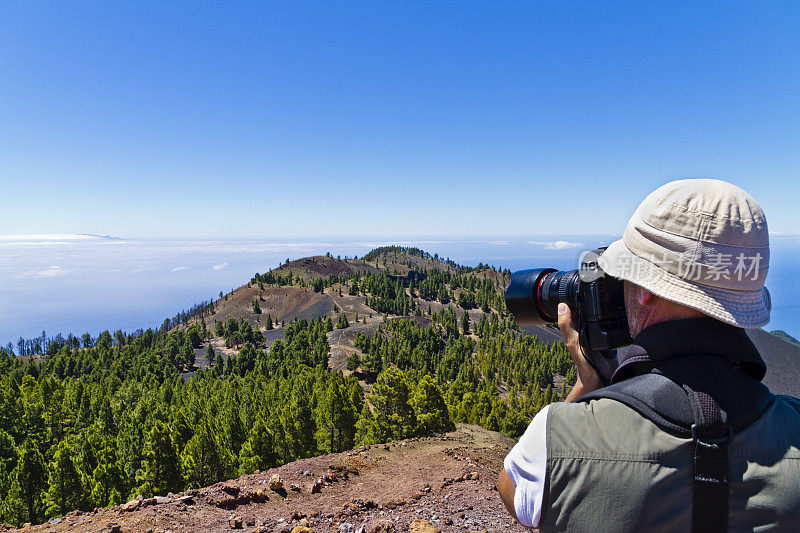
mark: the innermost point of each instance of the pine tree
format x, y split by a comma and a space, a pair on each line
390, 396
107, 478
430, 408
201, 461
269, 325
66, 489
335, 418
353, 361
465, 322
161, 462
259, 450
210, 354
367, 429
25, 502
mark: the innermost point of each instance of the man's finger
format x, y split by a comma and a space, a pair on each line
565, 324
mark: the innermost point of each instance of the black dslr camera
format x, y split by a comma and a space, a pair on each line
597, 303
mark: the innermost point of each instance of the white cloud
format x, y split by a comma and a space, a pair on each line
557, 245
220, 266
178, 269
49, 272
53, 238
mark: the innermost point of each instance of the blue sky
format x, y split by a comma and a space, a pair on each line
297, 119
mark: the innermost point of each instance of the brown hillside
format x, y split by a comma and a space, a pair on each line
321, 266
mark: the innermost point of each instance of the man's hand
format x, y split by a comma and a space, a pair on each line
588, 380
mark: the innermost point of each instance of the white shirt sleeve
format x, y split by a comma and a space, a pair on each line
526, 465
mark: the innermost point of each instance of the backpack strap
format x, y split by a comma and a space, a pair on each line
693, 410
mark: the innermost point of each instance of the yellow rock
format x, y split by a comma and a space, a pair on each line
275, 482
422, 526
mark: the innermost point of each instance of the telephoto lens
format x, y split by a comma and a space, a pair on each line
533, 295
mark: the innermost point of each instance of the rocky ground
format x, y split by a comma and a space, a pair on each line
443, 483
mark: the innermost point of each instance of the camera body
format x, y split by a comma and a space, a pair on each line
597, 303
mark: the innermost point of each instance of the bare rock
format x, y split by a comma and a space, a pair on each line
259, 496
130, 506
275, 483
423, 526
223, 500
187, 499
317, 487
302, 529
282, 527
381, 526
346, 527
235, 522
233, 490
391, 504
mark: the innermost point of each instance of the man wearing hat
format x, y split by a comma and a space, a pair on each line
685, 437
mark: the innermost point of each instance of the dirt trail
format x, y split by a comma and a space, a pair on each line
447, 480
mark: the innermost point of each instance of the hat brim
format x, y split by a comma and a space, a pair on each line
745, 309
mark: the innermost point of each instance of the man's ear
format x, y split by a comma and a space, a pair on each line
645, 297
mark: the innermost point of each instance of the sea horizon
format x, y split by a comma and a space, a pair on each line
79, 283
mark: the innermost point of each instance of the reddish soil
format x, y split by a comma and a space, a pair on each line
447, 480
320, 266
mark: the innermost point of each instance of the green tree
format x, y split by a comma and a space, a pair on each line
430, 408
8, 459
390, 395
298, 419
201, 460
259, 451
335, 418
353, 361
194, 337
210, 354
66, 489
367, 429
162, 470
107, 478
465, 322
25, 502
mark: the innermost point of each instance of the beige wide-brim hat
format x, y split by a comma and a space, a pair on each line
702, 243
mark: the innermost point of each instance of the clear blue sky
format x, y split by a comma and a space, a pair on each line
151, 119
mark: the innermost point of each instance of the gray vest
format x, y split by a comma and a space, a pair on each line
610, 469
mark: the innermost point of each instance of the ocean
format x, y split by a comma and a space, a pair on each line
82, 283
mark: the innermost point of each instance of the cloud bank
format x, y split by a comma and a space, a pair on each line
49, 272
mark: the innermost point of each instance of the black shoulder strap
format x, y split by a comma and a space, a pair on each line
681, 410
655, 397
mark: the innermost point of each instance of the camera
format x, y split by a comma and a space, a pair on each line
597, 303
